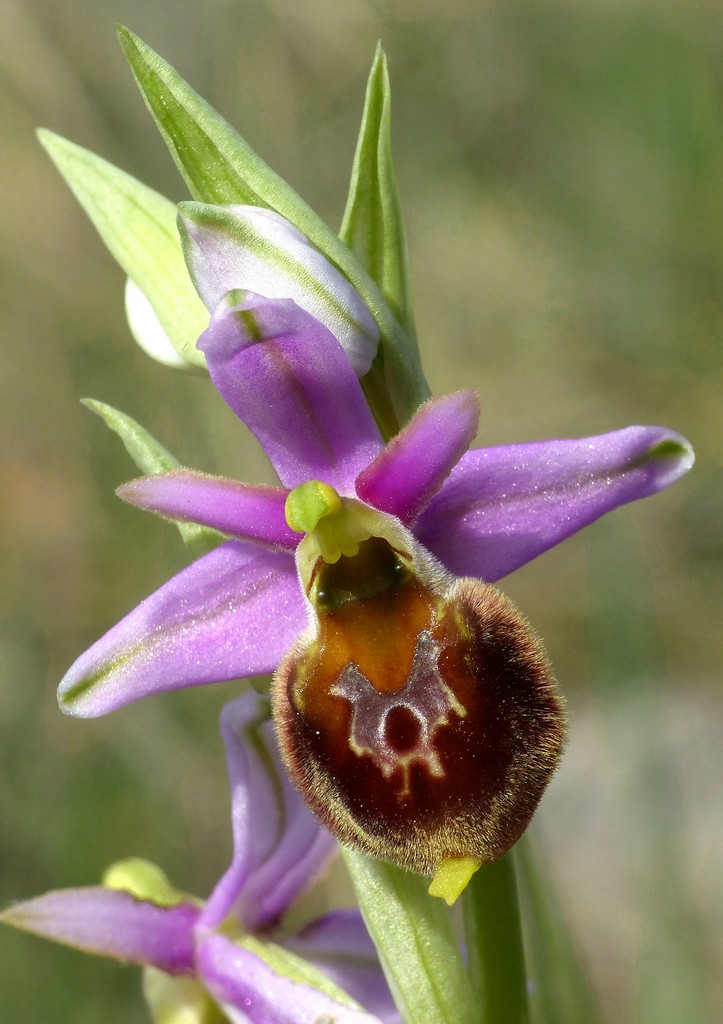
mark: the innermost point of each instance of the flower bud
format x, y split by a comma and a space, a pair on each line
248, 248
148, 331
418, 714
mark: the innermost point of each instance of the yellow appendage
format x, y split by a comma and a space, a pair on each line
452, 877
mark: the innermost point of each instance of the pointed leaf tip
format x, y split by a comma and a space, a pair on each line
152, 458
138, 227
372, 224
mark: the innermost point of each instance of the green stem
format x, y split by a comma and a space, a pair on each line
493, 932
415, 941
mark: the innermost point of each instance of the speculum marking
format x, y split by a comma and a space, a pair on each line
397, 729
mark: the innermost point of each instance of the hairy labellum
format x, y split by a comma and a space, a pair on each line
418, 714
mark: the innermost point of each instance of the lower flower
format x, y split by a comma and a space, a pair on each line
227, 960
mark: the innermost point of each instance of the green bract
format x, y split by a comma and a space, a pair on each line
151, 457
373, 227
139, 227
220, 167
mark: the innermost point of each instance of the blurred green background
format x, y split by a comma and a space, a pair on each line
561, 166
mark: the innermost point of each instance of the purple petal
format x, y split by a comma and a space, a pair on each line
243, 510
286, 376
501, 507
231, 614
241, 981
339, 945
279, 846
114, 924
406, 475
233, 247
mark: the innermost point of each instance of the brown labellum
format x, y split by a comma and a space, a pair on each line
420, 717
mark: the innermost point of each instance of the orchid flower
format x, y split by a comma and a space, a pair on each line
415, 709
482, 512
221, 954
447, 516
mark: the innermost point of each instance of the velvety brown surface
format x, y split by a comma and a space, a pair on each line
420, 725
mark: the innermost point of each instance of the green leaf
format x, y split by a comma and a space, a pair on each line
220, 167
495, 953
139, 228
561, 992
372, 226
416, 944
151, 457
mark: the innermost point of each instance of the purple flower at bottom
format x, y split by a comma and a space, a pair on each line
221, 953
